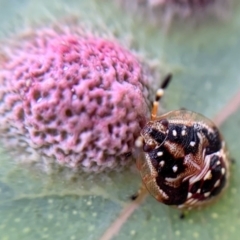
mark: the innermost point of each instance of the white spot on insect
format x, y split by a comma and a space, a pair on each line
192, 144
170, 180
223, 171
174, 133
207, 194
180, 206
159, 154
183, 132
208, 175
164, 194
217, 183
189, 195
218, 162
175, 168
199, 190
194, 201
191, 201
199, 135
162, 163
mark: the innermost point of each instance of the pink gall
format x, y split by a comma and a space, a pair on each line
164, 12
76, 100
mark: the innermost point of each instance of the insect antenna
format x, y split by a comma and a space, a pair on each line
159, 94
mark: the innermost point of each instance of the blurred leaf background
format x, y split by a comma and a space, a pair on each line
205, 62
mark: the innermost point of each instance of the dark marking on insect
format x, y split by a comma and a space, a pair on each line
158, 136
214, 140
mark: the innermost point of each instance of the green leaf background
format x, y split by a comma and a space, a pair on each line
205, 62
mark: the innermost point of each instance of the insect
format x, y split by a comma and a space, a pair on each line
184, 159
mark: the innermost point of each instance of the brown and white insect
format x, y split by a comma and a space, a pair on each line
185, 160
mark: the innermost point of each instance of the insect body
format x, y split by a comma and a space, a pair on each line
185, 162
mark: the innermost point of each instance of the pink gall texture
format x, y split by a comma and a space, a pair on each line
164, 11
183, 8
80, 101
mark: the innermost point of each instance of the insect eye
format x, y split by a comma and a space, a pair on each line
148, 147
164, 122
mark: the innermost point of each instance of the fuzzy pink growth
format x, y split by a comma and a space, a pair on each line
80, 101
